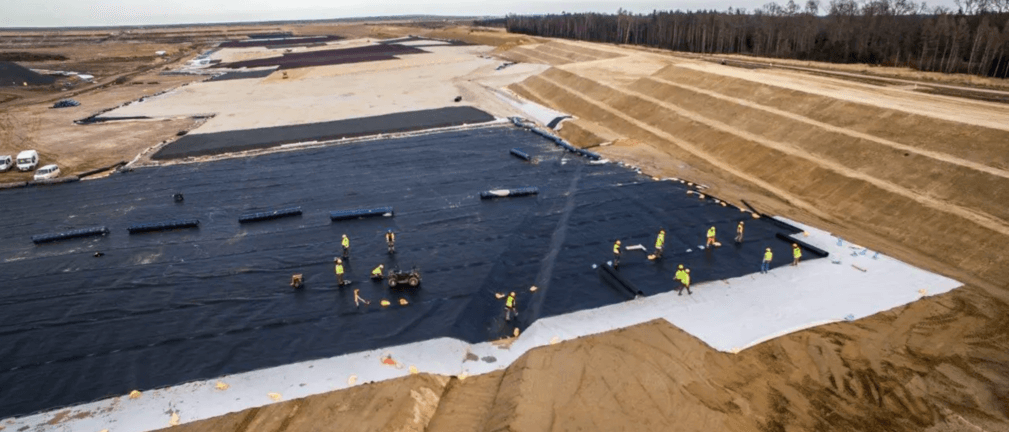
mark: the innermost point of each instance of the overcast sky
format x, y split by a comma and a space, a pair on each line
61, 13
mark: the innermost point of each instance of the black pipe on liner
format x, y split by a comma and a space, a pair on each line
509, 192
359, 213
163, 226
815, 250
610, 275
66, 235
520, 154
261, 216
783, 225
750, 207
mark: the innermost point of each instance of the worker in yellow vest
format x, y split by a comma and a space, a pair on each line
339, 271
739, 232
660, 243
796, 254
390, 240
711, 236
346, 247
616, 254
376, 274
510, 305
766, 264
679, 273
685, 282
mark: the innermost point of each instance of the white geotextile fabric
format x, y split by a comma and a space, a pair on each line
532, 110
728, 315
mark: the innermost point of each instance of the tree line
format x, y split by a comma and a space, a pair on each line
974, 39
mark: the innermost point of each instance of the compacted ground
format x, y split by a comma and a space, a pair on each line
918, 176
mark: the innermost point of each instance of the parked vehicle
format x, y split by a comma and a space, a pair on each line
6, 162
27, 160
397, 277
47, 172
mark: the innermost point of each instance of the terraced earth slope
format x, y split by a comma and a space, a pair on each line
922, 177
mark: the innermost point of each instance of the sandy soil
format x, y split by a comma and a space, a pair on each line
919, 177
915, 176
309, 95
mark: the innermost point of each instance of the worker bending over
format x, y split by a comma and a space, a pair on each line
766, 264
616, 254
339, 271
679, 274
358, 300
346, 247
739, 232
685, 282
376, 274
796, 254
711, 236
390, 240
660, 243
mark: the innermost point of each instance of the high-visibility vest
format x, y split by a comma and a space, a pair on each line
616, 248
679, 275
661, 240
339, 269
510, 301
796, 252
346, 242
711, 232
686, 278
377, 271
767, 256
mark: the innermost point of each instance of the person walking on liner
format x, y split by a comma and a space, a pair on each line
390, 240
766, 264
339, 272
796, 254
739, 232
346, 247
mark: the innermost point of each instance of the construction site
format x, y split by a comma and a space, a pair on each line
407, 226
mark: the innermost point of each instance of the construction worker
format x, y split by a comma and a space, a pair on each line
390, 240
739, 232
766, 264
616, 254
339, 271
510, 306
376, 274
358, 300
679, 273
660, 243
346, 247
796, 254
711, 236
685, 282
297, 281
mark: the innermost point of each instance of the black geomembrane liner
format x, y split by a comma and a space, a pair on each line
254, 139
170, 307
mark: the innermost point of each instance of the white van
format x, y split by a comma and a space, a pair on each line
28, 160
6, 162
47, 172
